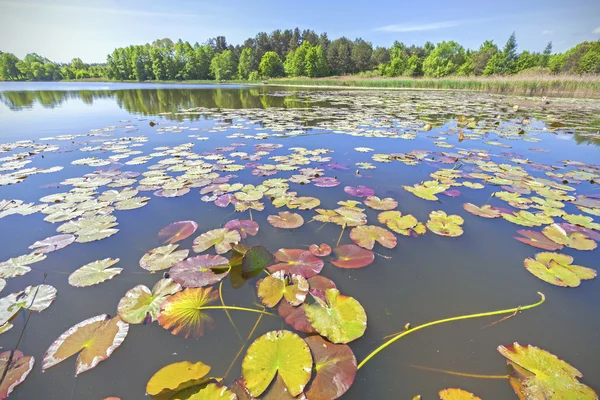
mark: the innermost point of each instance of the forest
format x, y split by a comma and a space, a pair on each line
296, 53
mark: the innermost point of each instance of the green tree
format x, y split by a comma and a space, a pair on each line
510, 55
444, 60
316, 62
8, 67
245, 63
414, 66
361, 55
270, 65
223, 66
339, 56
546, 54
481, 57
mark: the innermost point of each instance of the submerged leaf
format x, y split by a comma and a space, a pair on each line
277, 352
182, 312
177, 231
255, 260
95, 339
94, 273
352, 256
140, 305
200, 271
538, 374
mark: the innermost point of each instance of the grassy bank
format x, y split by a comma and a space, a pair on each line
537, 85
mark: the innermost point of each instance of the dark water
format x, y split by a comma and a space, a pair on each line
425, 278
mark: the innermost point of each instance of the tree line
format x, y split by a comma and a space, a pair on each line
304, 53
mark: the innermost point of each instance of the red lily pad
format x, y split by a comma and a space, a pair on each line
286, 220
200, 271
177, 231
569, 228
325, 181
244, 227
335, 366
352, 256
14, 370
298, 262
52, 243
320, 251
537, 239
359, 191
451, 193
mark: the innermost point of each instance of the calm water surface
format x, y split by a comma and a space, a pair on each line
423, 279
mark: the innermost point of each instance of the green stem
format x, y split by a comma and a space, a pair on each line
234, 308
442, 321
227, 311
445, 371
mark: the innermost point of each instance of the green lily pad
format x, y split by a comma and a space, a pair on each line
366, 235
427, 190
94, 273
255, 260
485, 211
445, 225
376, 203
335, 367
176, 377
575, 240
339, 318
457, 394
276, 286
18, 266
162, 257
223, 239
406, 225
277, 352
557, 269
525, 218
582, 220
140, 305
211, 391
538, 374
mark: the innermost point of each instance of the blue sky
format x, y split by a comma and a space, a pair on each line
63, 29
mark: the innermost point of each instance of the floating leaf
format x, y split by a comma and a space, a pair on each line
34, 298
244, 227
177, 231
200, 271
255, 260
223, 239
575, 240
286, 220
320, 251
445, 225
18, 266
182, 312
339, 318
406, 225
277, 352
451, 193
140, 305
176, 377
485, 211
352, 256
95, 339
538, 374
14, 368
359, 191
52, 243
537, 239
94, 273
162, 257
325, 181
335, 367
556, 268
582, 220
297, 262
275, 286
376, 203
525, 218
427, 190
365, 236
295, 317
457, 394
211, 391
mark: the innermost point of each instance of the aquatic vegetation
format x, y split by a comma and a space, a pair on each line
352, 256
457, 394
141, 305
15, 366
445, 225
95, 272
177, 231
286, 220
557, 269
366, 235
162, 257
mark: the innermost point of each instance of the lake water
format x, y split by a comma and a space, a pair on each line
423, 278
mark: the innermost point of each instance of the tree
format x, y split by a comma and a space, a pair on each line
381, 55
510, 53
481, 57
546, 54
245, 63
223, 66
8, 67
361, 55
339, 56
414, 66
444, 60
271, 65
316, 62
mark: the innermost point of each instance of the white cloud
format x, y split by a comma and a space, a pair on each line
597, 30
547, 32
429, 26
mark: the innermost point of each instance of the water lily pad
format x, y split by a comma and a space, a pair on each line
376, 203
457, 394
297, 262
575, 240
177, 231
339, 318
427, 190
200, 271
255, 259
335, 367
162, 257
325, 181
320, 251
582, 220
277, 286
295, 317
525, 218
537, 239
18, 266
140, 305
277, 352
95, 339
94, 273
286, 220
182, 312
14, 368
52, 243
485, 211
365, 236
223, 239
211, 391
445, 225
538, 374
406, 225
557, 269
359, 191
176, 377
244, 227
352, 256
